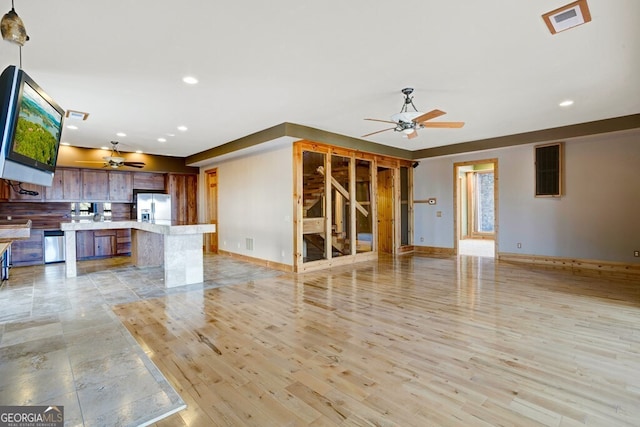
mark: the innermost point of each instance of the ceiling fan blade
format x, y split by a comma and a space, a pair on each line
443, 124
134, 164
383, 121
429, 115
87, 161
412, 134
378, 131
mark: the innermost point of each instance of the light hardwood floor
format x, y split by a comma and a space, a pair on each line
408, 341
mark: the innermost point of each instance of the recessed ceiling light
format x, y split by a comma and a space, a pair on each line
566, 103
139, 151
122, 134
182, 128
72, 127
104, 148
171, 134
64, 143
190, 80
162, 139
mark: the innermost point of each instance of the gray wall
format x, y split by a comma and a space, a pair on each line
598, 218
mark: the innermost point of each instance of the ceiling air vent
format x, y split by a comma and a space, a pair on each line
77, 115
569, 16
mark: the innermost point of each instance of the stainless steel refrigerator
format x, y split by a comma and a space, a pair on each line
153, 207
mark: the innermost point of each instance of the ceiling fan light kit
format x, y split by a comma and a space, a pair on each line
115, 160
408, 122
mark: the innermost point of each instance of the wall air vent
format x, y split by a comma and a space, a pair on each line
569, 16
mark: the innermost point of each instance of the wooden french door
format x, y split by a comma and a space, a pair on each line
211, 239
385, 210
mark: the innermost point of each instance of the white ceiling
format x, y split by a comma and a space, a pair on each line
326, 64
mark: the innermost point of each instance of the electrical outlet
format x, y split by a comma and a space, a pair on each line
519, 245
636, 253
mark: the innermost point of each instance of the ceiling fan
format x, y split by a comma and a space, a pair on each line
408, 122
115, 160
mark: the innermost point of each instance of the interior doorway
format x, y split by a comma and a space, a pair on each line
211, 239
476, 200
385, 208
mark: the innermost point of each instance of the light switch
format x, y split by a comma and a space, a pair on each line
439, 214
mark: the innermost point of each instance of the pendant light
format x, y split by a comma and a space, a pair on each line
12, 28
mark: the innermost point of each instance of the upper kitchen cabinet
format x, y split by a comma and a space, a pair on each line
66, 186
107, 186
120, 186
95, 185
33, 193
183, 189
149, 181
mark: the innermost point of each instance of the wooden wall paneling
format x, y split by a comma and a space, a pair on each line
121, 212
42, 215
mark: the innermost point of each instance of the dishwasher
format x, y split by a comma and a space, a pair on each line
53, 246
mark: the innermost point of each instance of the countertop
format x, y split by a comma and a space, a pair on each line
15, 229
160, 227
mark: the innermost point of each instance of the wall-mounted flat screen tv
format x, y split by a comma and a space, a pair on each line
31, 128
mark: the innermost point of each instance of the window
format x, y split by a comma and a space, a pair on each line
548, 168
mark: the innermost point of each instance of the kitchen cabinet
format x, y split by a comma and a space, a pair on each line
14, 195
123, 242
28, 251
4, 190
120, 186
149, 181
105, 186
66, 186
95, 185
102, 243
183, 189
84, 244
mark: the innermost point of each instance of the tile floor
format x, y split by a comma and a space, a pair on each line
61, 344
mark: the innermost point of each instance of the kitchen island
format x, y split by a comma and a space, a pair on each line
175, 247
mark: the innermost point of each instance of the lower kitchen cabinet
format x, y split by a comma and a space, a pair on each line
102, 243
28, 251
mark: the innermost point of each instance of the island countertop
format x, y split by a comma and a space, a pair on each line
176, 247
159, 227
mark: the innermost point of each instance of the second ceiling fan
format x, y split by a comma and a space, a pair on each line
408, 122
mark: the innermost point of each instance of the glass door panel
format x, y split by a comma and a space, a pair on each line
364, 223
313, 206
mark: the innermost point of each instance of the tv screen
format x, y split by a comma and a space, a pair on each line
32, 126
